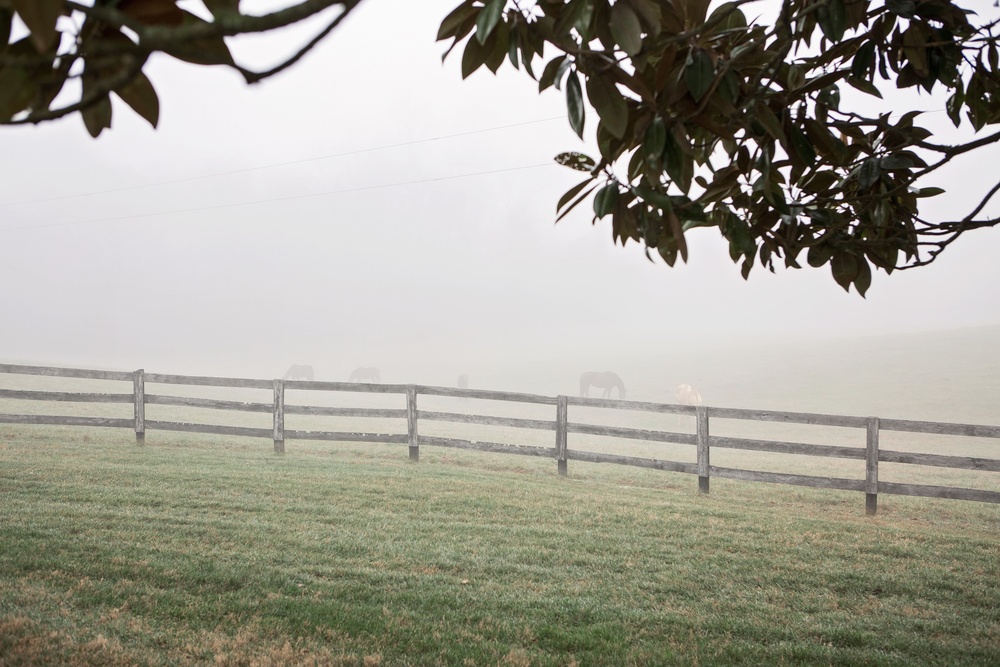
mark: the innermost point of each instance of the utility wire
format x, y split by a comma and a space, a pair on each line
281, 164
273, 199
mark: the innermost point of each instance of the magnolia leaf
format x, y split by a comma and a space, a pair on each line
845, 269
572, 192
699, 74
474, 56
655, 140
549, 75
489, 16
626, 29
609, 104
930, 192
605, 200
868, 173
832, 18
141, 96
571, 206
819, 255
864, 86
452, 24
97, 116
40, 17
895, 162
734, 18
577, 161
203, 51
864, 278
17, 87
574, 103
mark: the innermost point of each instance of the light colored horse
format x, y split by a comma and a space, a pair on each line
688, 395
365, 374
606, 381
299, 372
463, 381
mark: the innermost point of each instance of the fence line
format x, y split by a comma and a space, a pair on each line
560, 451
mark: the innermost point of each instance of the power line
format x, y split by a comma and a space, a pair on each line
273, 199
282, 164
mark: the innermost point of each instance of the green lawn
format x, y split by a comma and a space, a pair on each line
199, 550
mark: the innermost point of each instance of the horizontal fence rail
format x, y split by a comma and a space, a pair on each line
701, 440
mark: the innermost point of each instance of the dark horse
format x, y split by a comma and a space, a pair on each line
606, 381
299, 372
365, 374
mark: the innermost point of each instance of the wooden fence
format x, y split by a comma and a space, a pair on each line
560, 451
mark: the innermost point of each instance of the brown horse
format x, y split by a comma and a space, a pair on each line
368, 374
606, 381
299, 372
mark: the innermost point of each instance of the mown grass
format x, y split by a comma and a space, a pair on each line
197, 550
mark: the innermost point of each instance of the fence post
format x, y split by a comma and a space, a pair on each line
279, 416
702, 433
139, 392
871, 468
411, 422
562, 410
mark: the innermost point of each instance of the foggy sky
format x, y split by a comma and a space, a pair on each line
203, 258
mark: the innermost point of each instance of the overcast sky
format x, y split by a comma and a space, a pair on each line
368, 207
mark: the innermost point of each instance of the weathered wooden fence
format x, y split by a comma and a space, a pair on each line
560, 451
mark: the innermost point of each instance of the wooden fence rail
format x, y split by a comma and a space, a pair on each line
703, 442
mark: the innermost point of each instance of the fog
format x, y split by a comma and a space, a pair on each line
368, 207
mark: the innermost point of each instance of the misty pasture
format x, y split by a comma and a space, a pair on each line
198, 549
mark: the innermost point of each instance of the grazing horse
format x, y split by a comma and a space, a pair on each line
688, 395
299, 372
463, 381
365, 374
606, 381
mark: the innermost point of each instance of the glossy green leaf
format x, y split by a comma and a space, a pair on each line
574, 103
569, 207
930, 192
868, 173
832, 18
17, 86
572, 192
626, 29
140, 95
845, 269
453, 22
548, 77
40, 17
864, 278
97, 116
489, 16
730, 17
864, 86
474, 56
605, 200
699, 74
609, 104
655, 140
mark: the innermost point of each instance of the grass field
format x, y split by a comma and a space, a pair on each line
197, 550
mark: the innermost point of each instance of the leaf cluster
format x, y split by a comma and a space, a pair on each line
104, 46
706, 119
